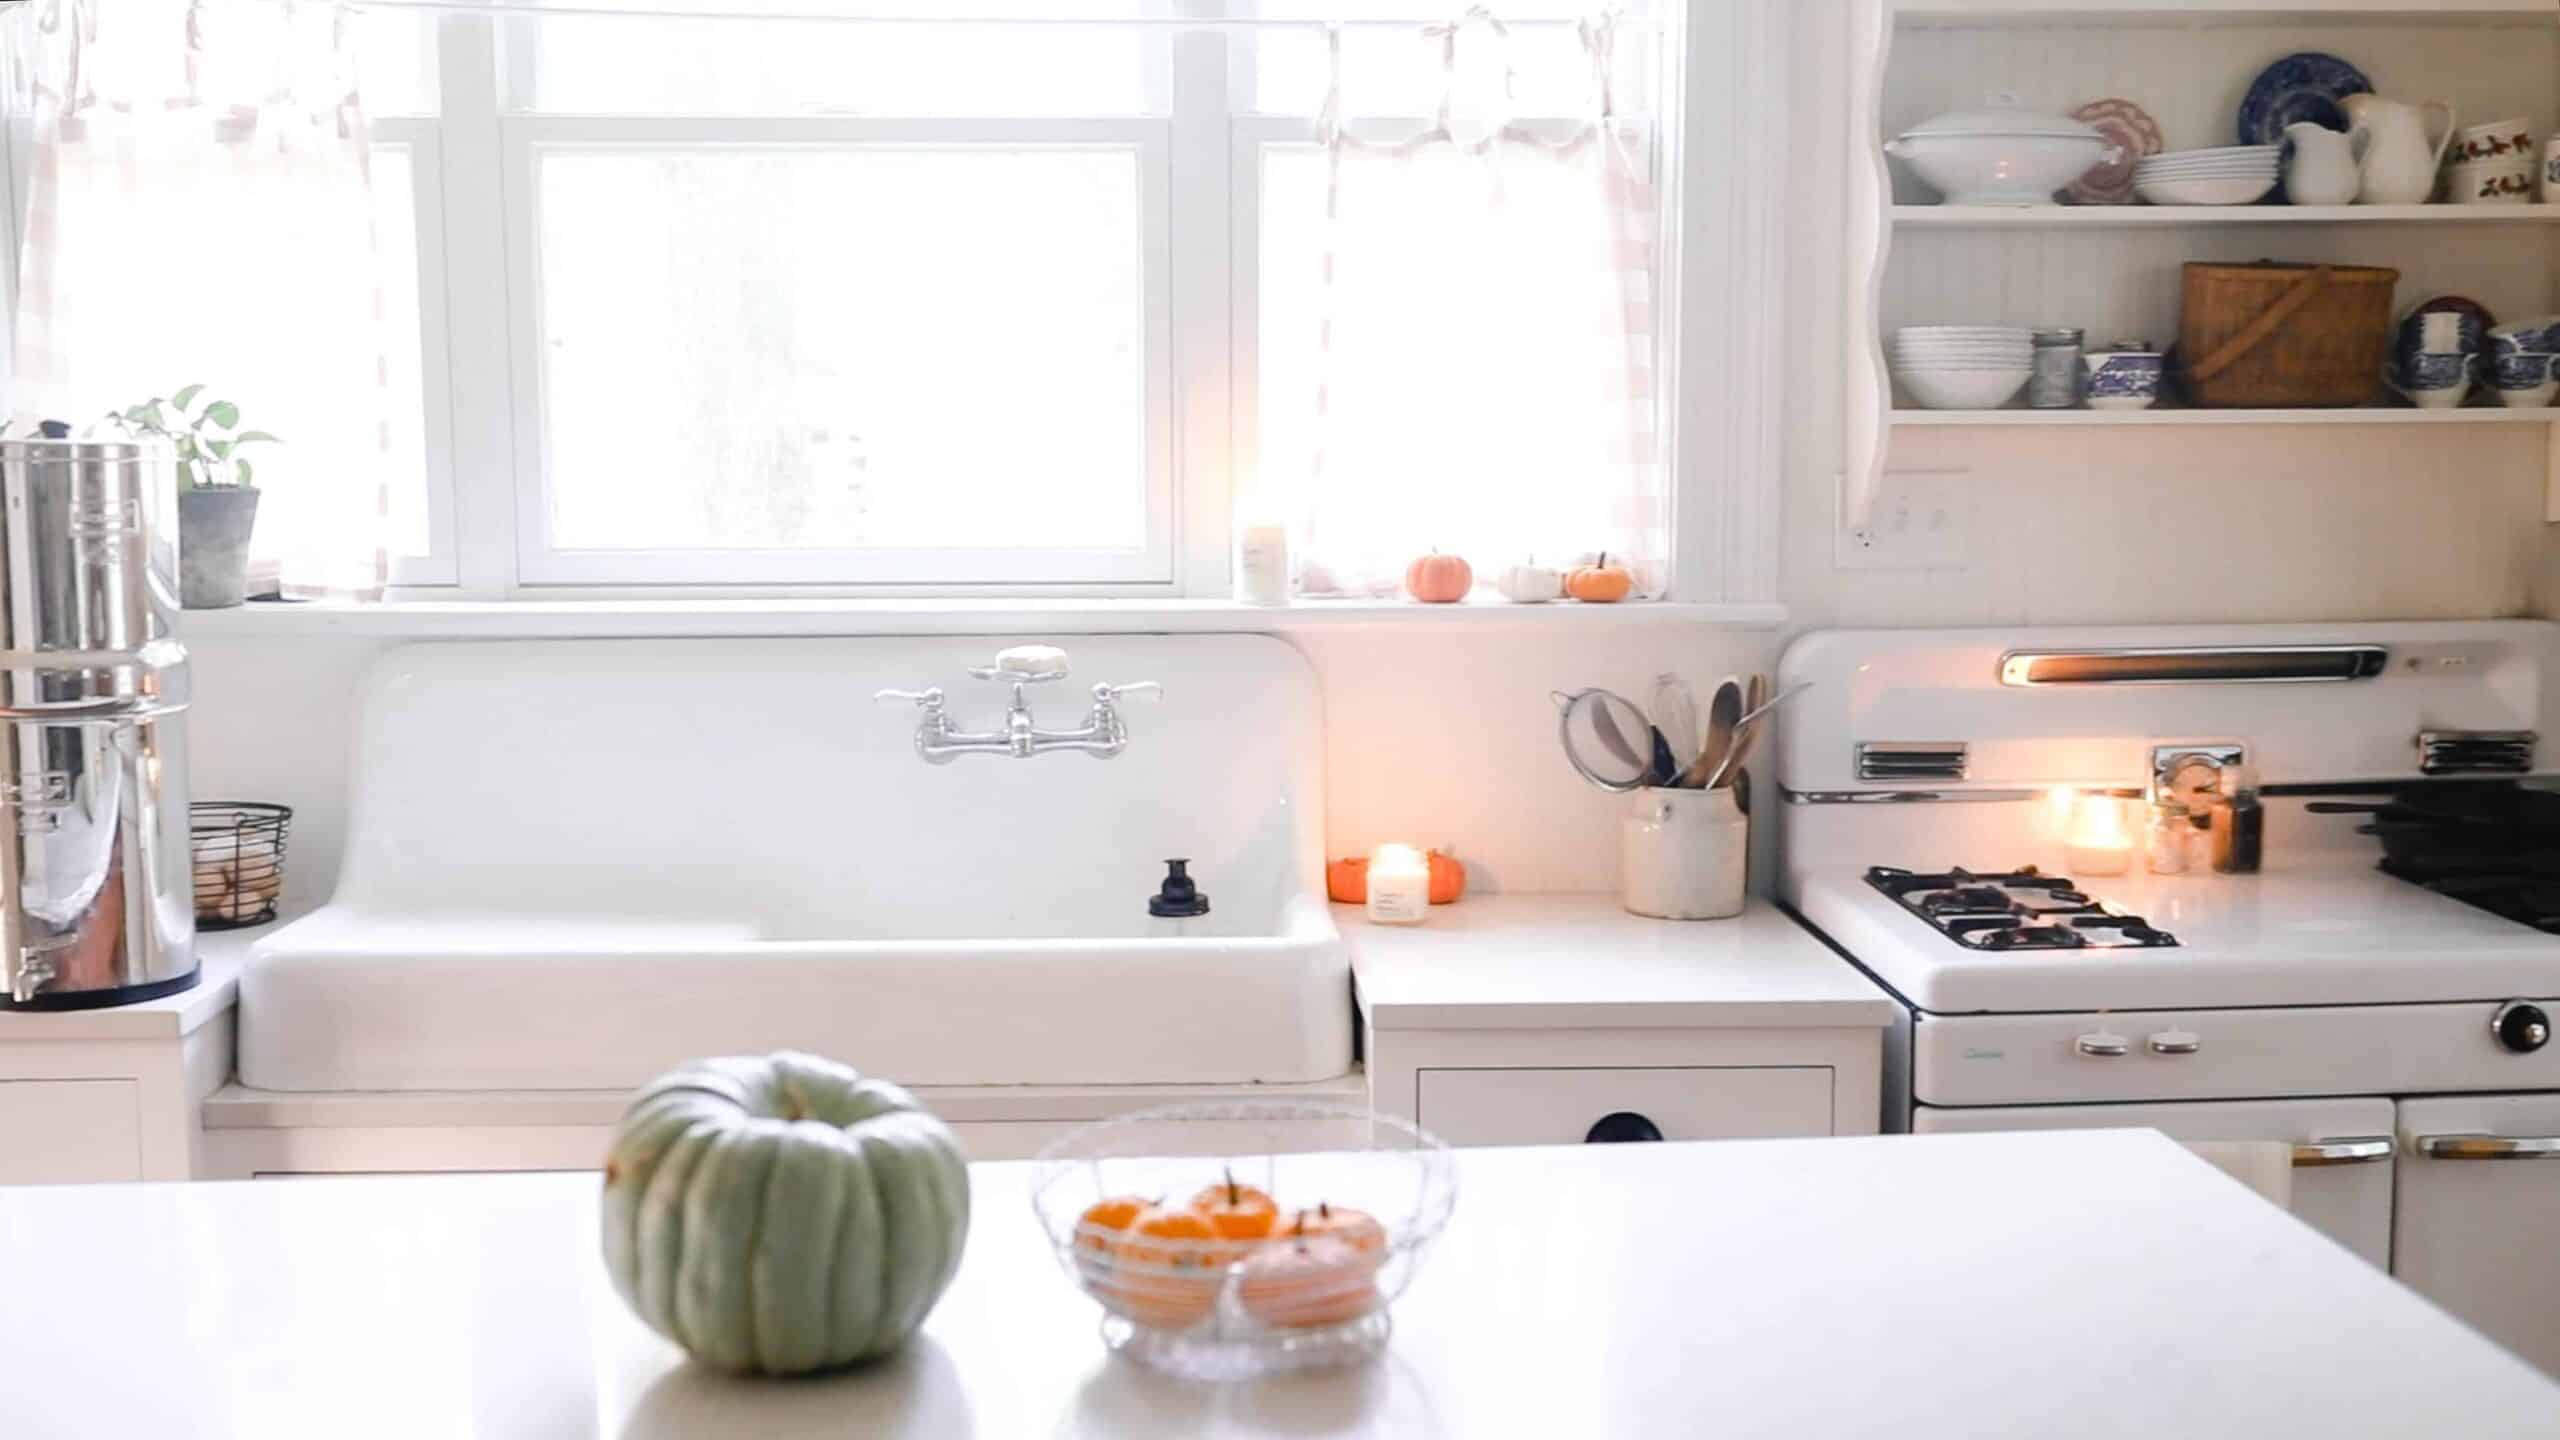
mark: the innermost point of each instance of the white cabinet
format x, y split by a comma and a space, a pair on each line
2477, 1227
1533, 1019
69, 1132
1563, 1107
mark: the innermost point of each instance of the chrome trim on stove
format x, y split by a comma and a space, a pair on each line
2359, 1150
1911, 759
1930, 797
2476, 752
2489, 1147
2194, 665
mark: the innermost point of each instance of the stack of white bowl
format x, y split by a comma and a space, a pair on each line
1962, 367
2231, 175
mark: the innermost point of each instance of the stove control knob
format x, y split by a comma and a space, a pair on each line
2176, 1042
2521, 1027
2103, 1043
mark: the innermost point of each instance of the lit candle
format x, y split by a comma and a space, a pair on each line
2099, 844
1399, 886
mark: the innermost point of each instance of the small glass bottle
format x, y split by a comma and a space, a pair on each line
2167, 841
2054, 382
2239, 824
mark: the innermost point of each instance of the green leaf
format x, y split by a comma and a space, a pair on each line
249, 437
186, 397
223, 413
220, 449
240, 469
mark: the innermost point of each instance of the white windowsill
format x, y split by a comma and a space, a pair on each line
556, 619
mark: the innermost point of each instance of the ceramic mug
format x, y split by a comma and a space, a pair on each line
1681, 854
2494, 141
2125, 376
2524, 380
2431, 379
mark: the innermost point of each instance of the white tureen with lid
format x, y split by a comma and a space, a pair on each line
2001, 154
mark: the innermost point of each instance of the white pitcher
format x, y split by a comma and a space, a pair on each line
2321, 170
2399, 161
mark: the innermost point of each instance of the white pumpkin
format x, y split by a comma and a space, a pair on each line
1530, 584
782, 1213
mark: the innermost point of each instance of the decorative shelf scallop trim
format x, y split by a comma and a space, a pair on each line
2118, 217
2375, 416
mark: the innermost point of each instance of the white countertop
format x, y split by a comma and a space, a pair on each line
2091, 1284
1518, 962
216, 989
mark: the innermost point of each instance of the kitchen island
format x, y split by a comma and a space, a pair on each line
2090, 1284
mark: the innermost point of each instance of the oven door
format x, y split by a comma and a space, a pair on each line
2478, 1225
2342, 1149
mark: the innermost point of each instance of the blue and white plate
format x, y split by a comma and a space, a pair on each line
2307, 86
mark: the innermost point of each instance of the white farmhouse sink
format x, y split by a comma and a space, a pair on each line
572, 864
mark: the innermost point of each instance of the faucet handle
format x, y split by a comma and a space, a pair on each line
930, 699
1107, 694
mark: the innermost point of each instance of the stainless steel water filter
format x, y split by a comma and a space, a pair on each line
99, 906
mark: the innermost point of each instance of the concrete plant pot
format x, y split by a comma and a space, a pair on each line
213, 545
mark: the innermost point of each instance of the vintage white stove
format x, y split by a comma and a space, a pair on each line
2397, 1033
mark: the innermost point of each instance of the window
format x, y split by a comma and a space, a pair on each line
1012, 305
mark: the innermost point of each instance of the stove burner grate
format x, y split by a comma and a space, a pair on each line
2021, 909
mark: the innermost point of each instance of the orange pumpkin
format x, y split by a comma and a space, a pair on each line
1356, 1228
1167, 1272
1600, 584
1106, 1217
1346, 882
1300, 1283
1439, 579
1238, 1212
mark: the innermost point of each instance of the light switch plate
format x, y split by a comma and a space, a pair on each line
1921, 520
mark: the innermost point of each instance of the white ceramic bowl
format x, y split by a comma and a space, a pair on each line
1939, 334
2235, 190
2494, 182
2000, 169
1962, 362
2218, 155
1964, 389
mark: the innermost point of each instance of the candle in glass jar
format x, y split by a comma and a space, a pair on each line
1399, 886
1262, 564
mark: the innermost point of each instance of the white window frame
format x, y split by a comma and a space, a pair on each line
1721, 291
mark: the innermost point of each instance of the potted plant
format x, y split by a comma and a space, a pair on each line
217, 491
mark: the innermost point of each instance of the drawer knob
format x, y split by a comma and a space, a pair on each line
1621, 1127
2102, 1043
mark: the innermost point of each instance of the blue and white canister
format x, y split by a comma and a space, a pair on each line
2123, 376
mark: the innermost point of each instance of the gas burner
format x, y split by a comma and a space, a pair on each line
2022, 909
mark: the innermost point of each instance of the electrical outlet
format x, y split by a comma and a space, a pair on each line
1921, 520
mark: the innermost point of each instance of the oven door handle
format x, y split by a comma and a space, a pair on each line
2356, 1150
2490, 1147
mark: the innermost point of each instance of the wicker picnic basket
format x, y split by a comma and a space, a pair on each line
2272, 335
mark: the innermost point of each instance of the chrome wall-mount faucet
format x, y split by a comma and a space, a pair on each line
1104, 732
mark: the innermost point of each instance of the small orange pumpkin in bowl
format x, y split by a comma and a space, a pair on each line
1439, 579
1106, 1218
1356, 1228
1299, 1282
1167, 1272
1599, 584
1238, 1212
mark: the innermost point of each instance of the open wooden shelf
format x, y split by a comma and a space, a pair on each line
2171, 415
2117, 217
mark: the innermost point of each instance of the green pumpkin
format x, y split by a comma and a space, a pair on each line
782, 1214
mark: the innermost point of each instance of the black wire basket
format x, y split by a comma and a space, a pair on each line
239, 861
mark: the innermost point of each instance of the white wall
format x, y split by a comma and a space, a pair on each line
1448, 737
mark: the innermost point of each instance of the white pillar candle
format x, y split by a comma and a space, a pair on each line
1399, 886
2099, 843
1262, 565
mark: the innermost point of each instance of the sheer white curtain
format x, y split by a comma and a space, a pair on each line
198, 212
1486, 367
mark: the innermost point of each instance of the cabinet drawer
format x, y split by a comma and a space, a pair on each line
69, 1132
1559, 1107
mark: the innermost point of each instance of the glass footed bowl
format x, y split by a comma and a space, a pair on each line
1211, 1308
